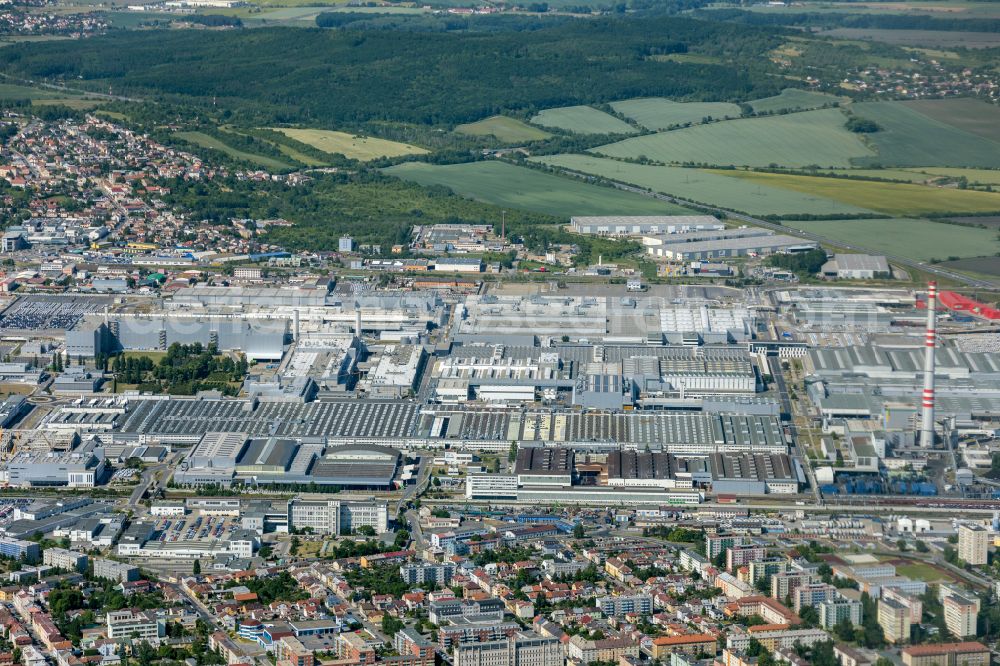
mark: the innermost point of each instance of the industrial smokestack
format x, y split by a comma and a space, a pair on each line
357, 321
927, 413
296, 325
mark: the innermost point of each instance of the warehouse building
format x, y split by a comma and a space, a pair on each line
81, 467
742, 246
641, 225
257, 338
856, 267
544, 467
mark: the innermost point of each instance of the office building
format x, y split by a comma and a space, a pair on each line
960, 614
716, 544
134, 624
65, 559
521, 650
111, 570
334, 516
419, 573
973, 544
583, 651
784, 584
690, 645
19, 548
811, 595
289, 651
738, 556
970, 653
894, 618
833, 611
623, 605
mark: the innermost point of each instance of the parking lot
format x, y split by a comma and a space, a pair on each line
194, 528
7, 507
50, 312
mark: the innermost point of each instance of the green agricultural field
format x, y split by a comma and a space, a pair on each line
908, 175
983, 176
508, 130
706, 187
919, 38
208, 141
924, 174
896, 199
78, 103
917, 239
793, 99
987, 266
361, 148
794, 140
11, 91
696, 58
911, 139
656, 113
582, 120
971, 115
512, 186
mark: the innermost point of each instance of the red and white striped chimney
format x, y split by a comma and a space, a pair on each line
930, 343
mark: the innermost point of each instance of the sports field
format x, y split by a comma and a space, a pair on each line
508, 185
714, 188
582, 120
917, 239
208, 141
503, 128
794, 140
361, 148
657, 113
972, 115
793, 99
896, 199
911, 139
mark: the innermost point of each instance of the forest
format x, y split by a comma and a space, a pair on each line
328, 77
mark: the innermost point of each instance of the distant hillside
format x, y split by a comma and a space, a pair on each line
337, 76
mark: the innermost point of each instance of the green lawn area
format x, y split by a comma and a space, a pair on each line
917, 239
793, 99
509, 130
909, 138
657, 113
715, 188
154, 356
207, 141
794, 140
895, 199
582, 120
519, 187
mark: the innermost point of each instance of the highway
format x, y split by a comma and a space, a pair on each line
978, 283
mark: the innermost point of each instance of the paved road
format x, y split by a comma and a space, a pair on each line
774, 364
896, 259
